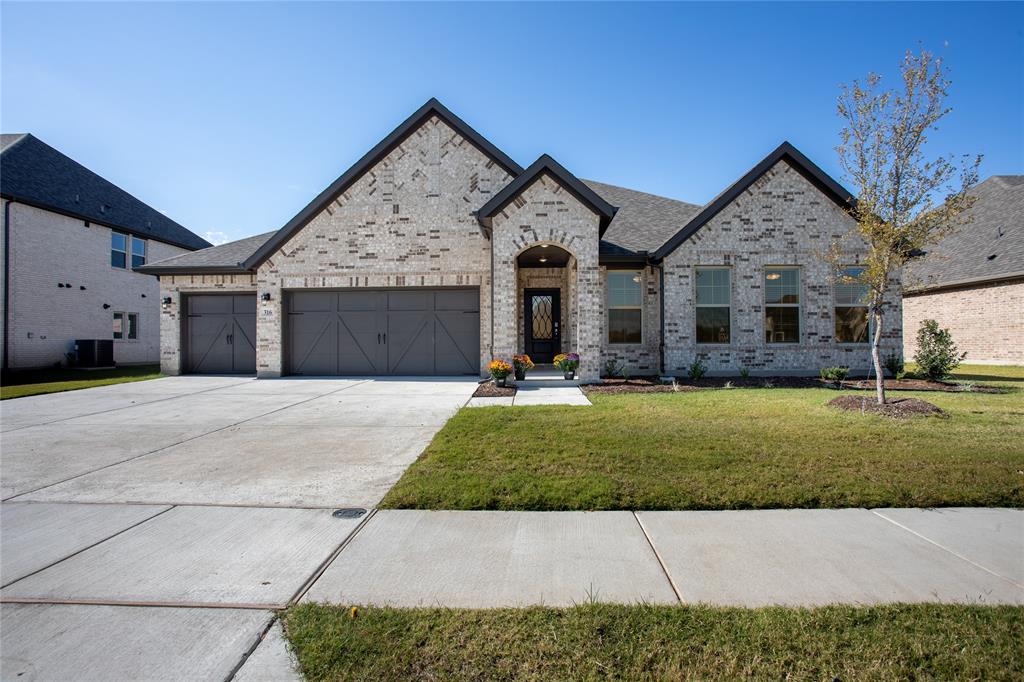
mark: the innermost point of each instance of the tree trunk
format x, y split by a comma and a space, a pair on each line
876, 356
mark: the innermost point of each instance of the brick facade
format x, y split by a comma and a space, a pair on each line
48, 249
545, 213
781, 220
986, 320
644, 358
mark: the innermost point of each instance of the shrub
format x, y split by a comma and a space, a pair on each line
835, 374
744, 372
696, 369
894, 365
937, 356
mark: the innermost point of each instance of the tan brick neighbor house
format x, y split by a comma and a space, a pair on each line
436, 252
973, 281
72, 246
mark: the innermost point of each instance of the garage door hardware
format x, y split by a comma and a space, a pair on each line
348, 513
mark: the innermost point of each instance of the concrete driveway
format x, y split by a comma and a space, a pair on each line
129, 510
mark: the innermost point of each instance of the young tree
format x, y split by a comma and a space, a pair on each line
905, 202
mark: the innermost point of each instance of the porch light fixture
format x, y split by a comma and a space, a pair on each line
166, 301
265, 296
544, 246
543, 260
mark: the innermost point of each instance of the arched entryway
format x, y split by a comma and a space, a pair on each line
545, 285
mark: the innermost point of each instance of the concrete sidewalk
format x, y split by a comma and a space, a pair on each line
737, 558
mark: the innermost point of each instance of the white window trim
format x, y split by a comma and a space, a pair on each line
126, 326
836, 304
126, 251
609, 307
706, 344
798, 305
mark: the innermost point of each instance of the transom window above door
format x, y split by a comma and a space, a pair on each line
625, 306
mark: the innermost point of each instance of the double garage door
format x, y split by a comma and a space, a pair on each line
374, 332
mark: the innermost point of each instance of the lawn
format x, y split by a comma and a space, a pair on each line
595, 641
727, 449
37, 382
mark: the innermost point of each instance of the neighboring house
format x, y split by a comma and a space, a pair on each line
973, 281
72, 244
436, 252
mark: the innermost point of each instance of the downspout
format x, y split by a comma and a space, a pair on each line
7, 282
661, 320
492, 294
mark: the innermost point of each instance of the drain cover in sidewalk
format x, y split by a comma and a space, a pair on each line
348, 513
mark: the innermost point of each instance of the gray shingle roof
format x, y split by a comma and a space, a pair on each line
35, 173
643, 222
990, 247
224, 258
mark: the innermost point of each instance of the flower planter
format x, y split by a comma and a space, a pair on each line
569, 375
520, 374
500, 381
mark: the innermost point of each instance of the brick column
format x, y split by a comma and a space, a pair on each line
505, 308
590, 314
269, 327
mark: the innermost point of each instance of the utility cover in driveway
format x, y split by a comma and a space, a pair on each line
410, 332
222, 334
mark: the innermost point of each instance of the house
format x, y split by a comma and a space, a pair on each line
436, 252
973, 281
72, 246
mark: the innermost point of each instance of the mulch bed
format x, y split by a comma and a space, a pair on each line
900, 408
488, 389
653, 385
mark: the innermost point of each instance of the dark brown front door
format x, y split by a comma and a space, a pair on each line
542, 324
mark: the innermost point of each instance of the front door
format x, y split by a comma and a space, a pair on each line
542, 324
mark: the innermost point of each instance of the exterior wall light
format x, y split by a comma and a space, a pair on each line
265, 296
166, 301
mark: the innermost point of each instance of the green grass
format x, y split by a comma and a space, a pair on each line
37, 382
726, 449
992, 375
598, 642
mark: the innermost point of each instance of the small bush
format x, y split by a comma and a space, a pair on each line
697, 369
612, 368
835, 374
744, 372
893, 364
937, 356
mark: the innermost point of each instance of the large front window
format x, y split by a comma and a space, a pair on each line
851, 307
782, 305
714, 298
625, 312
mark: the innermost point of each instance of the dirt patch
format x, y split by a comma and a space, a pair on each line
641, 385
489, 389
900, 408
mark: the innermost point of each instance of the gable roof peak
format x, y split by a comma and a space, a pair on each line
785, 151
546, 164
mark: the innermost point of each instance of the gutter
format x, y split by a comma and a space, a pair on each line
961, 283
7, 282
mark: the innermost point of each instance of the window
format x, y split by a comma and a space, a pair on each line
782, 305
118, 250
714, 296
624, 307
851, 308
138, 252
126, 326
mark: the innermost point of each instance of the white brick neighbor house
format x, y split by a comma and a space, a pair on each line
436, 252
72, 245
972, 282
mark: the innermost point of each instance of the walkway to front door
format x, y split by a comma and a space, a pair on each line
542, 322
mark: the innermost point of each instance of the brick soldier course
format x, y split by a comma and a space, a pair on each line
435, 206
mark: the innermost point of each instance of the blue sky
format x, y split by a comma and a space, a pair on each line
231, 117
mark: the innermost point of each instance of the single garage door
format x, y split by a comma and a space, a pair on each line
222, 334
372, 332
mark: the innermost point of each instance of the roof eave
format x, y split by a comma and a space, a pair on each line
193, 270
102, 223
960, 283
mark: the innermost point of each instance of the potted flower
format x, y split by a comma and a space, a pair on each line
567, 362
522, 364
499, 369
